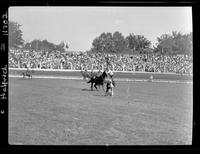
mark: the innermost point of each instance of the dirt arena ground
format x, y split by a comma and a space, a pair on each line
66, 112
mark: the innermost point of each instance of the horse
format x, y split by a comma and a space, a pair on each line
28, 74
98, 80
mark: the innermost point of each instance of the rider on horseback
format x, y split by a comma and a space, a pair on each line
97, 80
28, 72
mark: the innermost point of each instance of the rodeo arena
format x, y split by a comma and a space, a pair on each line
82, 98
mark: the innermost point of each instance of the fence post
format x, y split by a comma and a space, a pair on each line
70, 65
18, 64
61, 65
133, 68
164, 68
81, 65
144, 67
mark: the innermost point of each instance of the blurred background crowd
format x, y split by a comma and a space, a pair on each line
98, 61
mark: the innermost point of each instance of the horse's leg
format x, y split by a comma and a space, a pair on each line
91, 86
103, 87
99, 86
95, 86
106, 92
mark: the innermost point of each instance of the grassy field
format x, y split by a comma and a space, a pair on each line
66, 112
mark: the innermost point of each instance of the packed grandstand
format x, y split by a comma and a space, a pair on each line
118, 62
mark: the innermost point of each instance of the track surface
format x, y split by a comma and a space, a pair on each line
121, 75
66, 112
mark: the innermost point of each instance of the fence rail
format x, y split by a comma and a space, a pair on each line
70, 70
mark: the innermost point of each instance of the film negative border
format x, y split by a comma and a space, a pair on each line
4, 71
4, 75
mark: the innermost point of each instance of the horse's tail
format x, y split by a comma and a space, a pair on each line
89, 81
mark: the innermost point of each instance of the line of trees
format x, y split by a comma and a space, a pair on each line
15, 35
16, 41
175, 43
44, 45
117, 43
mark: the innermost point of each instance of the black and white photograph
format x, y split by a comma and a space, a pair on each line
100, 75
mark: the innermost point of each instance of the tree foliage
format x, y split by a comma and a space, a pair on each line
44, 45
117, 43
137, 43
60, 47
15, 35
175, 43
103, 43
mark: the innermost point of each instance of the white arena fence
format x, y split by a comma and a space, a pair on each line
14, 74
70, 70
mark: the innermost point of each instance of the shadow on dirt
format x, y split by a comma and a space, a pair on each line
23, 78
99, 95
86, 90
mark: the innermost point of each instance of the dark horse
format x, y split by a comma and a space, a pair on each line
97, 80
27, 73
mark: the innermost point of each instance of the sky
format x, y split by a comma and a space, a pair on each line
79, 26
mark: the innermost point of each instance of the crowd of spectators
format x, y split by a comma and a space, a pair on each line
118, 62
